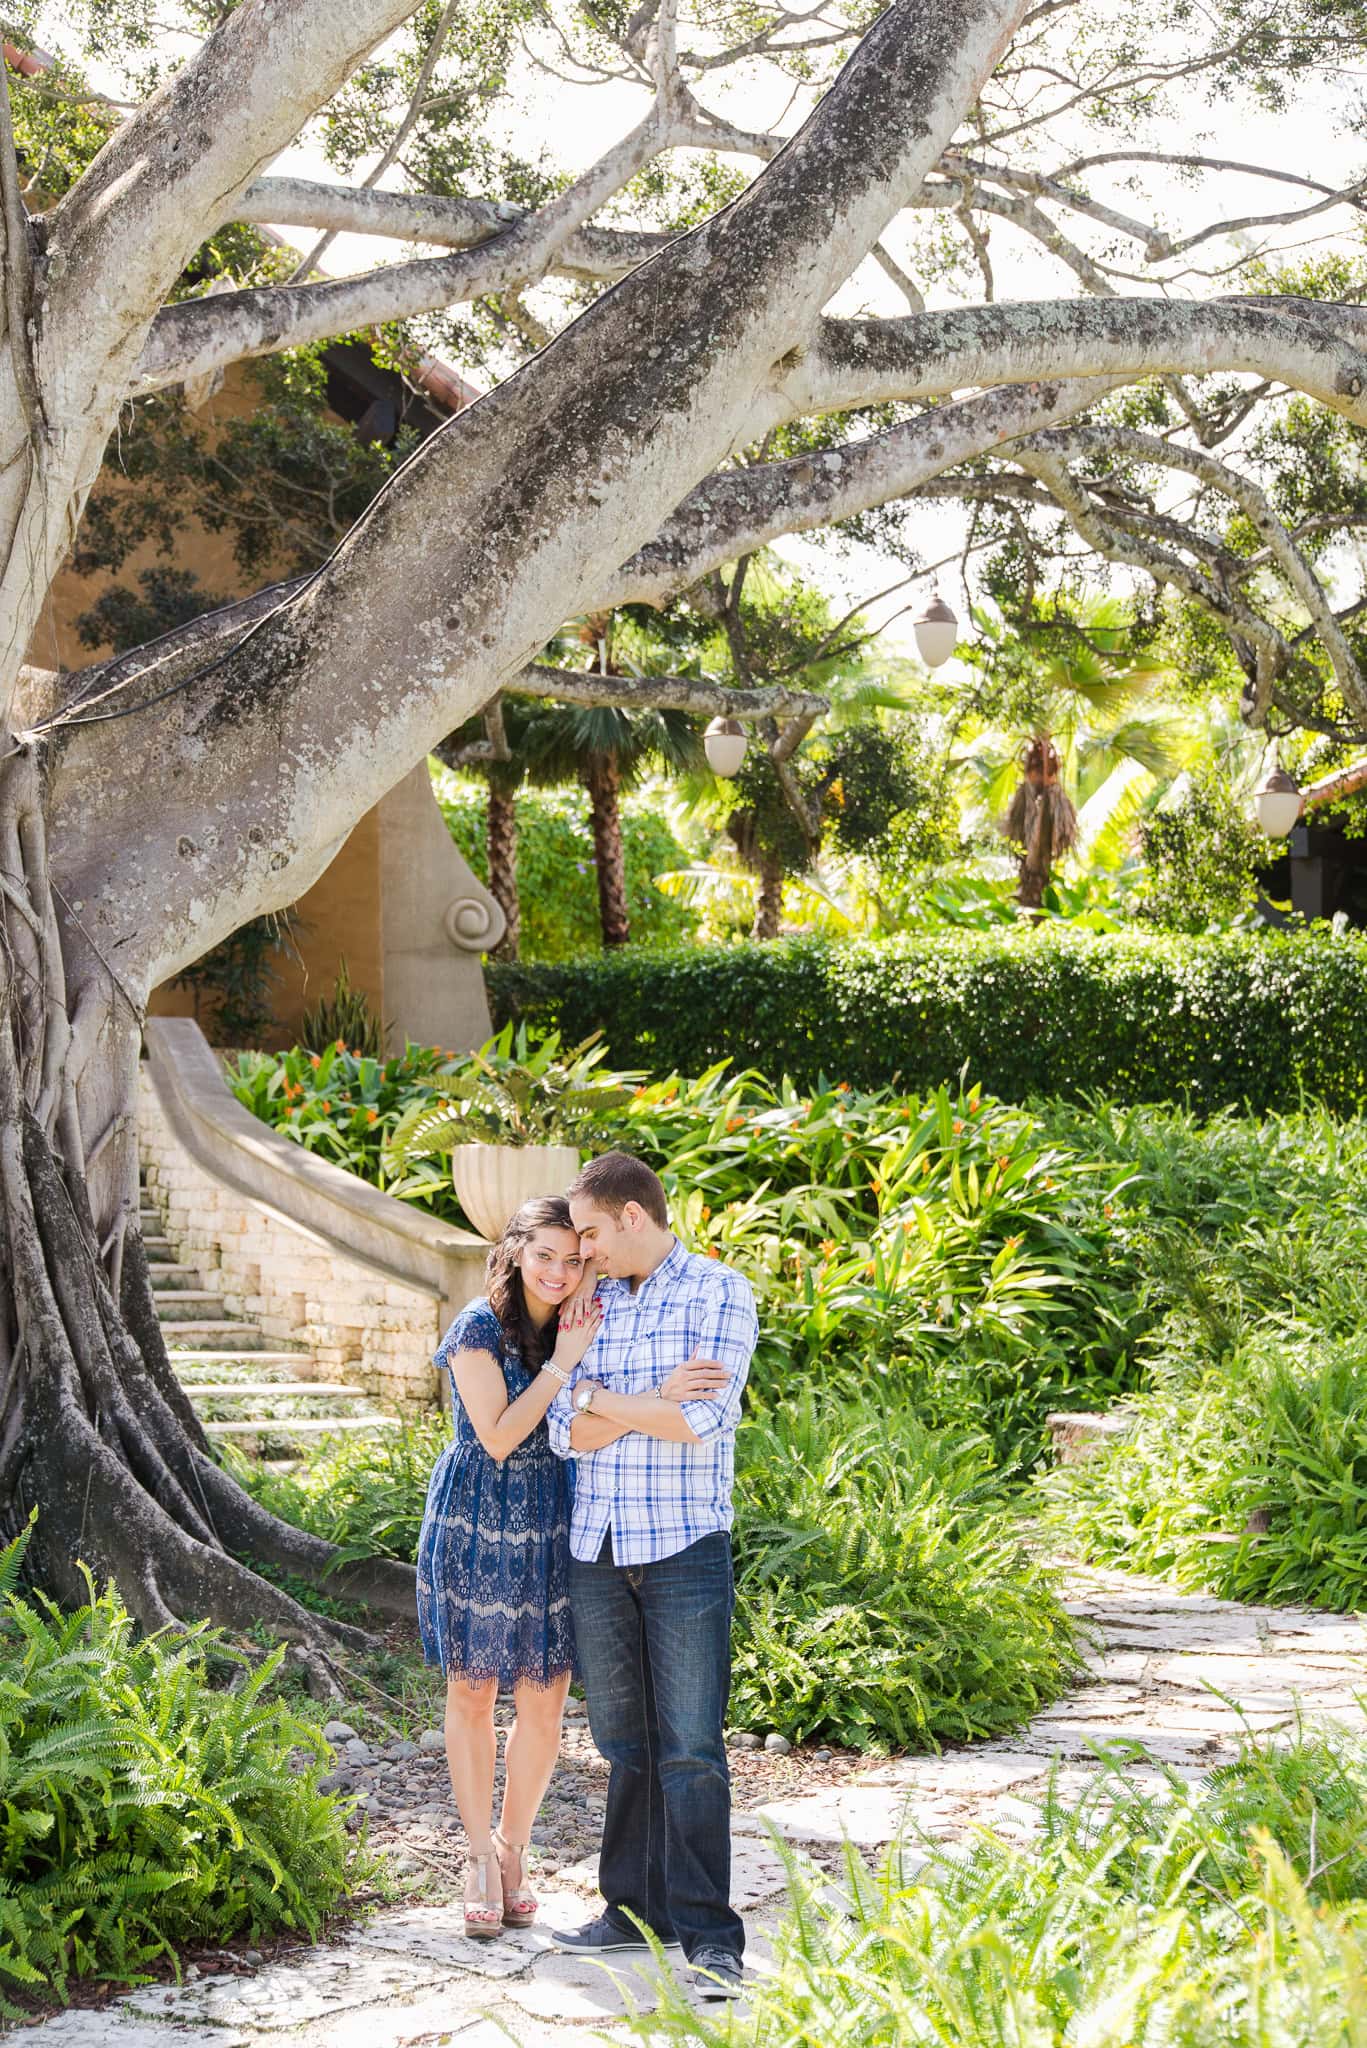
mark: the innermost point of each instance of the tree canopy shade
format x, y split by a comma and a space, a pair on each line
674, 391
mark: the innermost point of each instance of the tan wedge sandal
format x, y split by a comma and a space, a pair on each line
519, 1905
484, 1919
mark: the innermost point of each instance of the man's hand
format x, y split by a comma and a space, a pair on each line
697, 1379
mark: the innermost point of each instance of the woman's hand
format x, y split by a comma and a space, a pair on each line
580, 1319
697, 1379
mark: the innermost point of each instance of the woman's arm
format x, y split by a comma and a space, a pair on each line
500, 1424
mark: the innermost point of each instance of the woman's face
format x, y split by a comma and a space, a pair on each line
550, 1266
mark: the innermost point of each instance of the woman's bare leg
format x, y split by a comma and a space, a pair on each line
471, 1747
532, 1749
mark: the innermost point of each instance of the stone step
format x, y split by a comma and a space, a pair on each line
158, 1248
238, 1336
255, 1359
276, 1390
168, 1274
1076, 1433
305, 1425
181, 1304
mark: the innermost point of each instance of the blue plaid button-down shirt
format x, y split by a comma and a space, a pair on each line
656, 1497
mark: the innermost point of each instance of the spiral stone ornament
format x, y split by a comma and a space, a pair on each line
474, 924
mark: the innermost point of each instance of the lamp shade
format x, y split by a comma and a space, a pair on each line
724, 744
1277, 803
936, 629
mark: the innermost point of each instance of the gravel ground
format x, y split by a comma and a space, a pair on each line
405, 1796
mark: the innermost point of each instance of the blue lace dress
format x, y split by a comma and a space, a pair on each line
493, 1556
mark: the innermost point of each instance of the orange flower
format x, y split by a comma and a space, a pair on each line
1046, 1182
1004, 1160
706, 1212
842, 1087
974, 1106
325, 1105
372, 1116
315, 1059
1106, 1209
828, 1245
712, 1252
876, 1185
869, 1268
925, 1163
341, 1045
958, 1125
735, 1123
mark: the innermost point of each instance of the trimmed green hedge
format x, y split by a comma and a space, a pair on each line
1246, 1018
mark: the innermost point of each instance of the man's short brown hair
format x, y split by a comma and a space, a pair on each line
616, 1178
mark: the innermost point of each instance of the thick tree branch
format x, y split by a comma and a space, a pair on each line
600, 255
200, 336
504, 523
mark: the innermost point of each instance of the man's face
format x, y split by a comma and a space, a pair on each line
610, 1240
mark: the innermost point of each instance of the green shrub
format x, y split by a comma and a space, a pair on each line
1229, 1912
1251, 1482
140, 1804
882, 1596
1261, 1019
557, 881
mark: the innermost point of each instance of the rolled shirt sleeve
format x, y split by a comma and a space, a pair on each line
729, 1333
560, 1415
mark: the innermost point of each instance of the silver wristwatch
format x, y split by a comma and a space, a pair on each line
583, 1397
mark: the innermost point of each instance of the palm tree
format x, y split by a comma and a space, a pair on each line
1099, 743
608, 749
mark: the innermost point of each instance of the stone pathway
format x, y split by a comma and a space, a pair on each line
1180, 1675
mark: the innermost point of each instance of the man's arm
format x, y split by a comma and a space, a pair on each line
729, 1333
574, 1436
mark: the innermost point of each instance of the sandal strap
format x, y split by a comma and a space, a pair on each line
518, 1848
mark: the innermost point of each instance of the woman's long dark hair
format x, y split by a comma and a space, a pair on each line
503, 1279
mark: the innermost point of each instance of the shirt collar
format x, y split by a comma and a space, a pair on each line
672, 1262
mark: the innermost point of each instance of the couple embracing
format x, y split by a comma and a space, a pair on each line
579, 1523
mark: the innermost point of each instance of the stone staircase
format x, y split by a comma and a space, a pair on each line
261, 1397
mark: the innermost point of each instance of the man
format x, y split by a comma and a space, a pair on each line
650, 1566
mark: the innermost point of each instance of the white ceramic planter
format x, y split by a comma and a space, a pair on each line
493, 1181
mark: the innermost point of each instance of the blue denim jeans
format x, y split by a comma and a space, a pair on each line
655, 1650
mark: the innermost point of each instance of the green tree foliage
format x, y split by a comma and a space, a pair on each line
1202, 858
555, 871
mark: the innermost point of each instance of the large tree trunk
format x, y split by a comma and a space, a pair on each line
769, 904
95, 1429
501, 840
603, 781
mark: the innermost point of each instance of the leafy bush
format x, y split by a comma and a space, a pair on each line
141, 1805
345, 1105
1245, 1467
557, 883
1229, 1911
1261, 1019
1251, 1482
882, 1596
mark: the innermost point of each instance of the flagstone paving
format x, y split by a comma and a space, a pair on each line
1177, 1675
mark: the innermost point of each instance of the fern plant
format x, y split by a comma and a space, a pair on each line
141, 1805
515, 1091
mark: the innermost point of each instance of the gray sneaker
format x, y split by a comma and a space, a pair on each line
715, 1973
603, 1937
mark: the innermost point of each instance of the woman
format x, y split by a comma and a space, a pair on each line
493, 1601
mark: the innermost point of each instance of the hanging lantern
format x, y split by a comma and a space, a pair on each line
1277, 803
936, 629
724, 744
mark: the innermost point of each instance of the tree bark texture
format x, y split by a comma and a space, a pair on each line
603, 781
501, 841
769, 903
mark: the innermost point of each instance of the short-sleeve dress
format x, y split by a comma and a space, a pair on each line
493, 1555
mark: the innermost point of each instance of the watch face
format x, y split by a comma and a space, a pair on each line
583, 1397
